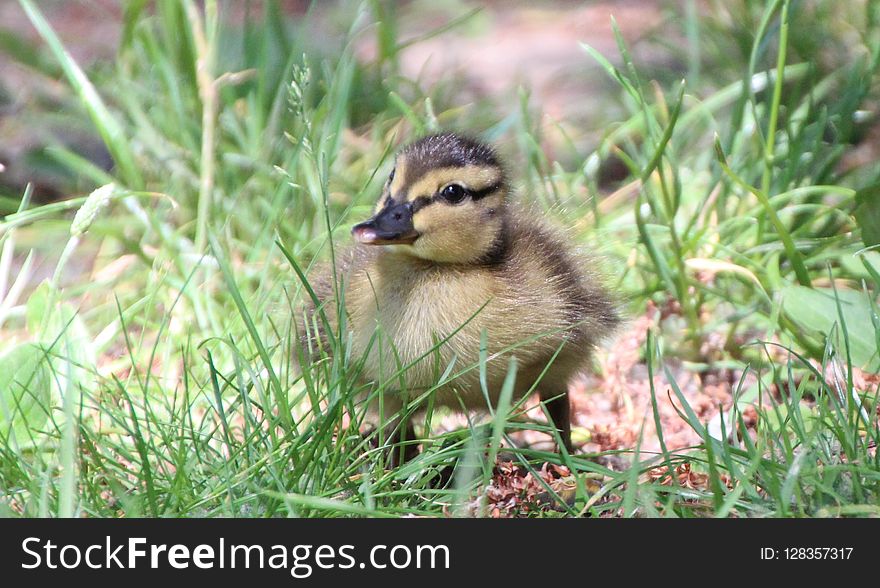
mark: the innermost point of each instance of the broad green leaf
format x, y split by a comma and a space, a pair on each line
815, 311
25, 394
867, 213
856, 263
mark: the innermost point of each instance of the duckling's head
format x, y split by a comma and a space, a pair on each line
444, 201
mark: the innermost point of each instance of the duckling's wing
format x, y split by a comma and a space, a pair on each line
570, 275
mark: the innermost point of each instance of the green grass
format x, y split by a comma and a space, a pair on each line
169, 383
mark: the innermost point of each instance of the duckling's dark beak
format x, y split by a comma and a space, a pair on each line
392, 226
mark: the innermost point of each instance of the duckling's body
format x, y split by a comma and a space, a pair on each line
435, 270
531, 300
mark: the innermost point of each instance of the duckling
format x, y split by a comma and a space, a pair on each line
445, 258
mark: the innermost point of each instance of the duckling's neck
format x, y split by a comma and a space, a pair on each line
394, 257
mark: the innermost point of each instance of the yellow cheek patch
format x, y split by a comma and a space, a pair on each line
455, 234
447, 217
471, 177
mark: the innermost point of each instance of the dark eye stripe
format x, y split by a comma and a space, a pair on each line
477, 194
423, 201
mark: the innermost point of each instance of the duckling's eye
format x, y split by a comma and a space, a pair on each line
391, 175
453, 193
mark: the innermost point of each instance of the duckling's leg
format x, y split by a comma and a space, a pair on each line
399, 441
402, 442
560, 415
